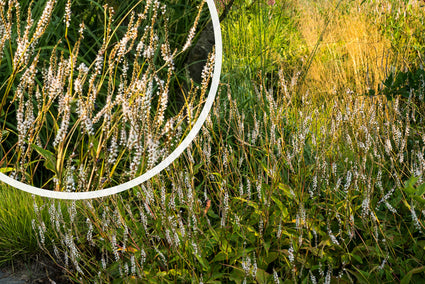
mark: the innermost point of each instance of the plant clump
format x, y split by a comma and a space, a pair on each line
78, 122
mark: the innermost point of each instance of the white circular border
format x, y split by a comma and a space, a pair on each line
164, 163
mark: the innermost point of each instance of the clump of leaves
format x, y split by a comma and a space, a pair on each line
414, 190
407, 84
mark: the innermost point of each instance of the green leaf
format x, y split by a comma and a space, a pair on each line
6, 170
197, 167
214, 276
203, 262
212, 214
237, 275
221, 256
412, 181
406, 279
279, 204
356, 257
419, 199
286, 190
408, 187
272, 256
4, 134
248, 202
361, 276
224, 246
420, 190
262, 276
50, 161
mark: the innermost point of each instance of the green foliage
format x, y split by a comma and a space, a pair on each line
277, 187
259, 36
415, 192
18, 240
407, 84
61, 101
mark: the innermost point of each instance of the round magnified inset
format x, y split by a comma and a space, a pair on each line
97, 110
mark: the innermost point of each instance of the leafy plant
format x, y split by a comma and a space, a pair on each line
406, 84
318, 186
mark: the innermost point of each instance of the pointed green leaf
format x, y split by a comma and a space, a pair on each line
4, 134
406, 279
420, 190
6, 170
50, 159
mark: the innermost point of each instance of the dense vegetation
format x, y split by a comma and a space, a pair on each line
310, 167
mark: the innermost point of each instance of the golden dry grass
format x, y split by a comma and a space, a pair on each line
352, 54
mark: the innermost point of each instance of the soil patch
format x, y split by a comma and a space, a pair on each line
38, 270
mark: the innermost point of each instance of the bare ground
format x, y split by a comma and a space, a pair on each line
38, 270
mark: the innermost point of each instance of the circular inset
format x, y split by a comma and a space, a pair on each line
166, 161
